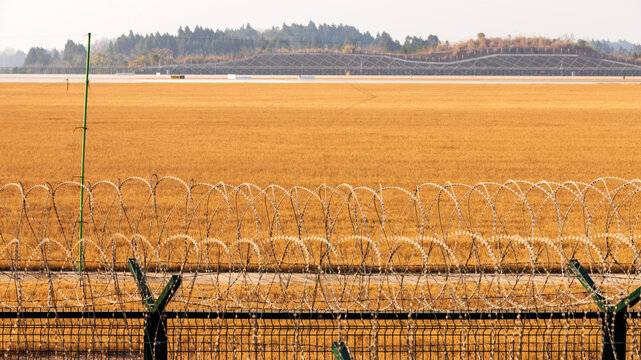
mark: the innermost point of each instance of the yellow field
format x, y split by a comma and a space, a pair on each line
307, 134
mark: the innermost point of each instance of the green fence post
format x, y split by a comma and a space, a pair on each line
340, 350
613, 323
155, 337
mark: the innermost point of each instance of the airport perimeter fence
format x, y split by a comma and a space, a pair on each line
68, 70
312, 335
487, 62
173, 269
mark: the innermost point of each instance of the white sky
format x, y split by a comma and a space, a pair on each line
26, 23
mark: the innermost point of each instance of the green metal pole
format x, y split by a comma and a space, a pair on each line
82, 169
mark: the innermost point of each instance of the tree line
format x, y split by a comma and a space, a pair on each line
202, 45
73, 54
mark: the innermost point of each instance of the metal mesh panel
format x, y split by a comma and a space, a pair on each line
62, 335
308, 335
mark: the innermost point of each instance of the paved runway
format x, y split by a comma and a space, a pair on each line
189, 79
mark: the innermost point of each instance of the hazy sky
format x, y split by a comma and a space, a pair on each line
26, 23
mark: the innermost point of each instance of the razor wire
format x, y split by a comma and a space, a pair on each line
451, 247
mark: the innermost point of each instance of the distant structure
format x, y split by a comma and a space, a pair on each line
489, 64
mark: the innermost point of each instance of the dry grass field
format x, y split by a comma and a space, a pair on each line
308, 134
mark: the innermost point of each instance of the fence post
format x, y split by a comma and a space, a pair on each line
155, 337
613, 323
340, 351
614, 328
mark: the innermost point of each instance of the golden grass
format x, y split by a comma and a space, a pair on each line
307, 134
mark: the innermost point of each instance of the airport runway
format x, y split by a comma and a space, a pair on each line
240, 79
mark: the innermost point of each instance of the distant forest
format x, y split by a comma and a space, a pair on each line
202, 45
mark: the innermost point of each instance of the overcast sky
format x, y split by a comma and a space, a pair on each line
26, 23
